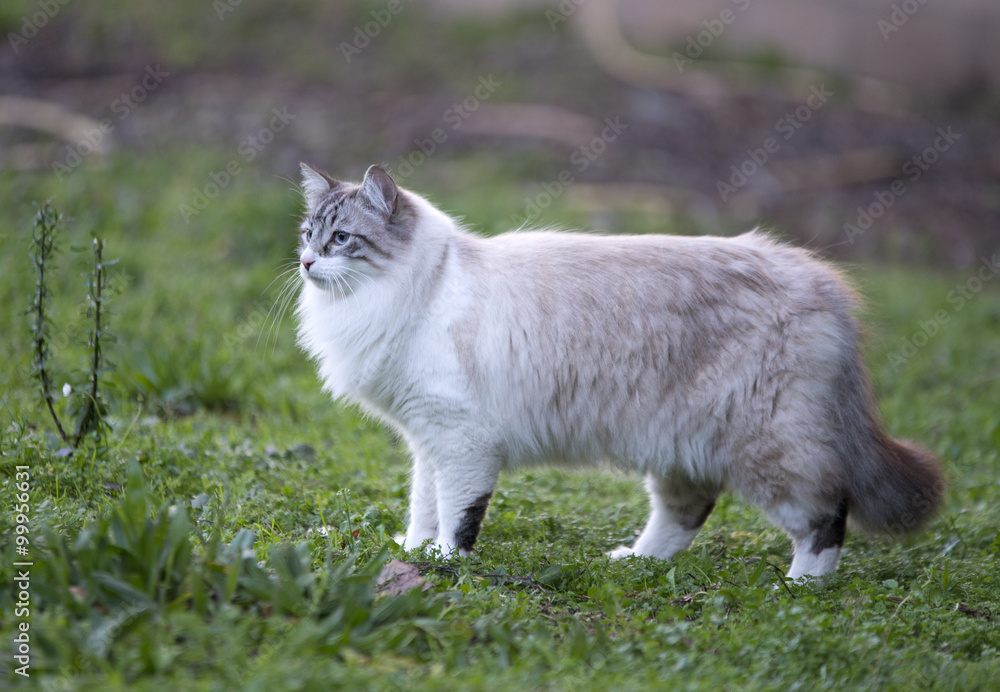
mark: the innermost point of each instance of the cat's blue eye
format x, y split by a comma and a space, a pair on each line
309, 235
340, 237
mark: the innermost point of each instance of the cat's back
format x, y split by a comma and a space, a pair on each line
674, 272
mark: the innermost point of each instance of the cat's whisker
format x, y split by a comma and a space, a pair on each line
338, 289
284, 271
289, 298
361, 276
289, 280
330, 288
264, 328
365, 281
374, 291
343, 287
285, 295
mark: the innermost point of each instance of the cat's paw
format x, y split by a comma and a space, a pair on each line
805, 579
444, 549
410, 542
620, 552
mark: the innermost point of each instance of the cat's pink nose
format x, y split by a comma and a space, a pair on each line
308, 263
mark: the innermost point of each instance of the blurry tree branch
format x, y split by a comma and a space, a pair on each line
533, 120
601, 30
50, 118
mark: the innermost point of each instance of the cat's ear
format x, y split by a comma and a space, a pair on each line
315, 184
380, 190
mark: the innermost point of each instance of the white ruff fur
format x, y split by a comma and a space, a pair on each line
704, 363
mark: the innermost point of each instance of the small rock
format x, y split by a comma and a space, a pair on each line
302, 451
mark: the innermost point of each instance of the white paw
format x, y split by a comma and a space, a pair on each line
620, 552
803, 579
410, 542
447, 551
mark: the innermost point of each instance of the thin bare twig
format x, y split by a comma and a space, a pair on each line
781, 578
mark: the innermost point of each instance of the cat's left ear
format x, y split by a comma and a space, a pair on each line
380, 190
315, 184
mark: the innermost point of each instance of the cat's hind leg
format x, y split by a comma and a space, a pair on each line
817, 534
678, 509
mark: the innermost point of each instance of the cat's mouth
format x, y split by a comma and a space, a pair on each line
334, 284
307, 273
314, 277
311, 274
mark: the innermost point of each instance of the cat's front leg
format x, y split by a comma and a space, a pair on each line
463, 493
423, 524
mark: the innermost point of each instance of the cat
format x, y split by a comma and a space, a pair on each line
705, 363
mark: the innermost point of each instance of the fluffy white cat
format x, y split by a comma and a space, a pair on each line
704, 363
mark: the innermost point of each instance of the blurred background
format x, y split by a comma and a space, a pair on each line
865, 130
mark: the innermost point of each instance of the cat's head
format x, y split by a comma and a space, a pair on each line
352, 235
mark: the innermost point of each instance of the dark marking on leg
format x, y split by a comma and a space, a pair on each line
468, 528
696, 521
829, 531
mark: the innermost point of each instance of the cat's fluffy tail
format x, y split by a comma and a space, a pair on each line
900, 491
893, 487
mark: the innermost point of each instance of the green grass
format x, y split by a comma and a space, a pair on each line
144, 574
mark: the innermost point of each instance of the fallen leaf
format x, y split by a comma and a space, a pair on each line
398, 577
